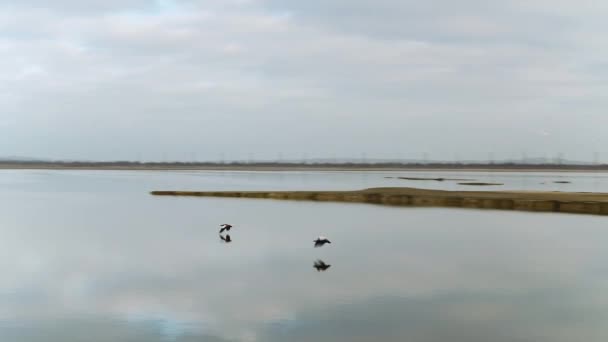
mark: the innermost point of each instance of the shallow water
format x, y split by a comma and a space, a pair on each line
90, 256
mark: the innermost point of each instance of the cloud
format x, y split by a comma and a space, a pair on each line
92, 7
381, 75
102, 329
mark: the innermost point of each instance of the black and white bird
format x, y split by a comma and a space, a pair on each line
320, 241
320, 265
225, 227
226, 238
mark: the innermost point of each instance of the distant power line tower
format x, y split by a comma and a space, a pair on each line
491, 158
560, 158
596, 158
425, 157
363, 158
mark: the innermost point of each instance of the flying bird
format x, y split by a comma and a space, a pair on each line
320, 265
320, 241
226, 239
225, 227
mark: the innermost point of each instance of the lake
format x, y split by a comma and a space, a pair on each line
91, 256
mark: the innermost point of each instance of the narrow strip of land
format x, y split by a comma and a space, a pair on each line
134, 166
432, 179
566, 202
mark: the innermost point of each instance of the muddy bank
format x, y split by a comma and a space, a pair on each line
566, 202
480, 184
432, 179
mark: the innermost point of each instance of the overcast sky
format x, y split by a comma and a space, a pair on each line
192, 79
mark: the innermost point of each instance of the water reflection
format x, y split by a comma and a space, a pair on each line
119, 265
320, 265
70, 181
543, 315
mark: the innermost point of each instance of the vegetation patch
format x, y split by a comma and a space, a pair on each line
554, 201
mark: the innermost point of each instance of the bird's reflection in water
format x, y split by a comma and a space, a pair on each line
320, 265
226, 238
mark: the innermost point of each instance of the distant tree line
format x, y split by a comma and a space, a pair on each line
312, 165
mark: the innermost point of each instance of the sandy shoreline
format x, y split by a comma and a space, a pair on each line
543, 201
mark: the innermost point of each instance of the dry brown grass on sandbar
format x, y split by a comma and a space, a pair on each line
566, 202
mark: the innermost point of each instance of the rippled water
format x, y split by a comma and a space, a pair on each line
90, 256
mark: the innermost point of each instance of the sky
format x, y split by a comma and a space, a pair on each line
267, 79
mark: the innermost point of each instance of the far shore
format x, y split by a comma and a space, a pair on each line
300, 167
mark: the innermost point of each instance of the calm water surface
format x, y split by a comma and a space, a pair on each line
90, 256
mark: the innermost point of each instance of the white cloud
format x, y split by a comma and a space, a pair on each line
404, 68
